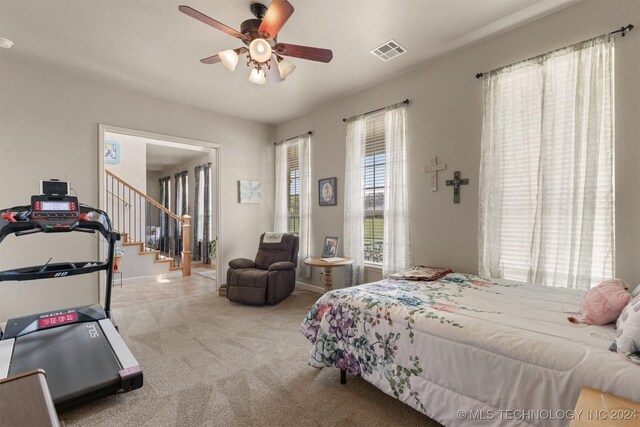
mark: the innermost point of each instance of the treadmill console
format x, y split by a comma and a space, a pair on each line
55, 213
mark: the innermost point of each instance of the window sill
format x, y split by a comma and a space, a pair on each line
373, 266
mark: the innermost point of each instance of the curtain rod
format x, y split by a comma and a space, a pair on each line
292, 138
405, 102
622, 30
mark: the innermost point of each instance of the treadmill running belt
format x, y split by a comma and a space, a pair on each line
77, 359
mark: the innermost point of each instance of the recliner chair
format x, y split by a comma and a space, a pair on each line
271, 277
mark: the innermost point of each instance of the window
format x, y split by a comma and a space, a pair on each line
165, 197
200, 216
376, 201
293, 189
182, 190
181, 208
546, 202
374, 171
292, 204
200, 205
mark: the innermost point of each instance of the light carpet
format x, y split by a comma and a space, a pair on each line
209, 274
210, 362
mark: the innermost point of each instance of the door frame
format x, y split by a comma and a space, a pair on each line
217, 205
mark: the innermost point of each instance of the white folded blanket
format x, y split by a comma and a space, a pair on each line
273, 237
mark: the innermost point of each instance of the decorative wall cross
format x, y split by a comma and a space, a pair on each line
457, 182
433, 170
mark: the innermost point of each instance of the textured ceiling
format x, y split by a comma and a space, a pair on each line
148, 46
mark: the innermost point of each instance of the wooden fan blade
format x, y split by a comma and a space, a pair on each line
304, 52
210, 21
277, 14
211, 60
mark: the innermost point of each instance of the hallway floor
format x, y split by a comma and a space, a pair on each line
148, 290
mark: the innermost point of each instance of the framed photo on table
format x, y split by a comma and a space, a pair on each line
327, 195
330, 247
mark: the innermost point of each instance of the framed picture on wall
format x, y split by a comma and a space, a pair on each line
249, 191
327, 195
111, 152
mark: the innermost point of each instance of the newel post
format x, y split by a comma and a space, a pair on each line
186, 245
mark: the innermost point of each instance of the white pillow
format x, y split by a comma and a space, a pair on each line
628, 325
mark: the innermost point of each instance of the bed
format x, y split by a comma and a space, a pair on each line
494, 349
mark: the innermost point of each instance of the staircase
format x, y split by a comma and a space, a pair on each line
154, 240
138, 248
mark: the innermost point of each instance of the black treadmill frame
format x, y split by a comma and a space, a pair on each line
90, 220
101, 225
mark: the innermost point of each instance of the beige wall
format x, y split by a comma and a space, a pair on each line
445, 120
153, 185
49, 129
132, 167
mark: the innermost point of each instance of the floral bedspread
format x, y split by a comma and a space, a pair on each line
371, 328
404, 337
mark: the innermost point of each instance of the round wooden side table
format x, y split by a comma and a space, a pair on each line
316, 261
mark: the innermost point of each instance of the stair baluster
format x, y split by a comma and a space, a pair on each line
139, 218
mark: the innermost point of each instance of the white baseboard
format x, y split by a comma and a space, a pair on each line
311, 288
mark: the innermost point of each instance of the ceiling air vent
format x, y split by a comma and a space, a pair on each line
388, 50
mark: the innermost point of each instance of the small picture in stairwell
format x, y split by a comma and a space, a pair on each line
111, 152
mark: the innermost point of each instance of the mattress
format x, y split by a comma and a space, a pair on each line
467, 350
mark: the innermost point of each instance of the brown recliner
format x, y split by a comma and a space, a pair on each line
270, 278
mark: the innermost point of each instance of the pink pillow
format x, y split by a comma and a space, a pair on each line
603, 303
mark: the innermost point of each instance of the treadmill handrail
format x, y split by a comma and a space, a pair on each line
47, 271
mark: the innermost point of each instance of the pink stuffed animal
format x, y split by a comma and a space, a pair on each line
603, 303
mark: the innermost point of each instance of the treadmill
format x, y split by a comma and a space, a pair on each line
79, 348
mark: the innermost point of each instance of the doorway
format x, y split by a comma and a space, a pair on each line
163, 195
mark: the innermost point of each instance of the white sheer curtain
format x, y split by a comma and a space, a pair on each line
304, 150
354, 202
281, 213
547, 168
396, 250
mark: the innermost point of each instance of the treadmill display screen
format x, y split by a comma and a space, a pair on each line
56, 320
55, 206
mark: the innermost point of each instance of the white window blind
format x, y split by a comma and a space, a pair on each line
293, 188
547, 199
374, 176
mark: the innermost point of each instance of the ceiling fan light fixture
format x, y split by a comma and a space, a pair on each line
260, 50
285, 67
229, 58
257, 76
263, 50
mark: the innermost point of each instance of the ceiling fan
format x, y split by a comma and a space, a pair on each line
264, 52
